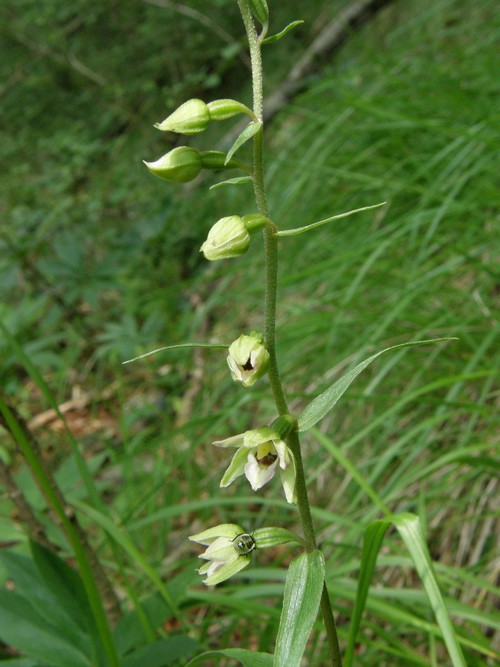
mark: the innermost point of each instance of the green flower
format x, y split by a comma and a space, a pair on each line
228, 552
248, 359
260, 454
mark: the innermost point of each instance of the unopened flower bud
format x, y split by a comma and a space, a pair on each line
227, 238
248, 359
180, 165
191, 117
223, 109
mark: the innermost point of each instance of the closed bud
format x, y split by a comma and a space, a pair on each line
180, 165
227, 238
248, 359
191, 117
223, 109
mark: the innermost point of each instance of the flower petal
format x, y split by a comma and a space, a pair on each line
288, 481
227, 570
229, 530
258, 475
236, 467
233, 441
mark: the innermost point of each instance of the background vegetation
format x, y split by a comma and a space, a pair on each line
99, 262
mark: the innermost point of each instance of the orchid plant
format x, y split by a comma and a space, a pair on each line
274, 450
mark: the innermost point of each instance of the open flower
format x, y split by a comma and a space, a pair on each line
260, 454
228, 552
248, 359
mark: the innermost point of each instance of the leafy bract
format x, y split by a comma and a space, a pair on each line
239, 180
176, 347
323, 403
409, 527
250, 130
282, 33
303, 590
301, 230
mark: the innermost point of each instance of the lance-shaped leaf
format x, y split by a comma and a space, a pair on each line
303, 589
323, 403
408, 526
301, 230
250, 130
282, 33
239, 180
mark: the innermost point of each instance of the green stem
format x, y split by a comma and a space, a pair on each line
271, 261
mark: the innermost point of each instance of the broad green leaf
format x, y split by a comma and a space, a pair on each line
282, 33
65, 585
239, 180
303, 590
408, 526
29, 586
323, 403
177, 347
162, 652
246, 658
26, 629
301, 230
250, 130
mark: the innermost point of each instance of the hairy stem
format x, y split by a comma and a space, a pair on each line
271, 261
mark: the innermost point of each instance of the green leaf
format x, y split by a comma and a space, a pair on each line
410, 529
250, 130
239, 180
65, 585
303, 590
323, 403
162, 652
246, 658
24, 628
301, 230
279, 35
176, 347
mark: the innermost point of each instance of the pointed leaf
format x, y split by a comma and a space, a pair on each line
239, 180
24, 628
323, 403
303, 590
410, 530
282, 33
301, 230
250, 130
246, 658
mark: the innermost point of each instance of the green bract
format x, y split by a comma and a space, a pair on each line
260, 10
224, 558
191, 117
227, 238
180, 165
248, 359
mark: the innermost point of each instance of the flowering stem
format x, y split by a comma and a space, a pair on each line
271, 261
